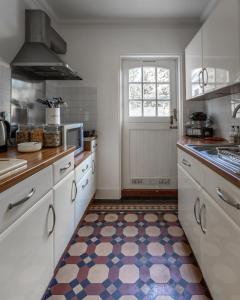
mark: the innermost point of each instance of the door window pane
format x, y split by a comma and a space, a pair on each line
149, 74
135, 108
149, 91
163, 108
149, 108
163, 91
163, 75
135, 75
135, 91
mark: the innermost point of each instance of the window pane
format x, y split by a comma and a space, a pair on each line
163, 75
163, 108
149, 74
135, 91
135, 108
149, 108
149, 91
135, 75
163, 91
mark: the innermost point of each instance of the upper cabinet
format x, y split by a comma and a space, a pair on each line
219, 63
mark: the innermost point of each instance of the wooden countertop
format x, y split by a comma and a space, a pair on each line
36, 161
228, 175
81, 157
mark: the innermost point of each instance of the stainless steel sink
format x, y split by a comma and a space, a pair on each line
227, 156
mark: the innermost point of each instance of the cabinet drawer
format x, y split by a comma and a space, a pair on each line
90, 145
62, 167
221, 191
17, 200
191, 165
83, 168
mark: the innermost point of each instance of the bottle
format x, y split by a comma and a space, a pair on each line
231, 135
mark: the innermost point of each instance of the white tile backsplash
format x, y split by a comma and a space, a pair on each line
5, 88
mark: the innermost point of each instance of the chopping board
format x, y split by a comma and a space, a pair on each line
9, 166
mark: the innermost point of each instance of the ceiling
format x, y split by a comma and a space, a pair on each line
80, 10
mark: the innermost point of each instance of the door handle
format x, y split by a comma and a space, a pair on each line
22, 201
84, 185
84, 170
65, 168
186, 163
54, 219
200, 79
205, 83
76, 190
195, 210
228, 201
203, 227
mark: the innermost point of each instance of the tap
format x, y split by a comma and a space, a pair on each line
237, 108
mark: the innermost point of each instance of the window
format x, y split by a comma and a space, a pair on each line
149, 91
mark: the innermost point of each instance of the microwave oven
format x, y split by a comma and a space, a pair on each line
72, 135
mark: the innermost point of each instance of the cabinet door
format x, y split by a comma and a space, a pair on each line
64, 208
26, 253
220, 251
221, 43
189, 201
84, 196
193, 65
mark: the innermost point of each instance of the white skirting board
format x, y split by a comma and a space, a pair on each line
108, 194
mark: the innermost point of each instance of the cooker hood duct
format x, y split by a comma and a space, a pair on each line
38, 59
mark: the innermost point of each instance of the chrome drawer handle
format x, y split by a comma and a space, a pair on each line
195, 210
203, 208
93, 166
186, 163
228, 201
25, 199
65, 168
95, 146
84, 170
76, 190
54, 219
84, 185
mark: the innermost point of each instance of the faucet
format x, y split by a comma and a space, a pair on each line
236, 109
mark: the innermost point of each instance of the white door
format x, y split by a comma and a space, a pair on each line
26, 253
64, 197
149, 145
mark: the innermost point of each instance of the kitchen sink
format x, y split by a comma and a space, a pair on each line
227, 156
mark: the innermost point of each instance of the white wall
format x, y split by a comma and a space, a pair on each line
95, 51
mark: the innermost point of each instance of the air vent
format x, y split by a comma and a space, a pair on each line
151, 181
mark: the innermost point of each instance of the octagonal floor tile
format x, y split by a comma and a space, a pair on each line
108, 231
129, 249
155, 249
91, 217
150, 217
170, 217
77, 249
164, 298
57, 297
130, 231
98, 273
199, 297
67, 273
129, 273
85, 231
160, 273
92, 297
111, 217
190, 273
182, 249
153, 231
130, 217
175, 231
128, 297
104, 249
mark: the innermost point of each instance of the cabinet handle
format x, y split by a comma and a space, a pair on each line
54, 219
76, 190
25, 199
93, 166
205, 83
84, 185
200, 76
228, 201
65, 168
84, 170
203, 208
186, 163
195, 210
95, 146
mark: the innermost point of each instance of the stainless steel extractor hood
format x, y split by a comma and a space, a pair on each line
38, 59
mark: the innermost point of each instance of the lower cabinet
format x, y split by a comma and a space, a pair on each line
64, 197
94, 174
84, 196
26, 253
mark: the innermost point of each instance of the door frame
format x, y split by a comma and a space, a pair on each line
180, 97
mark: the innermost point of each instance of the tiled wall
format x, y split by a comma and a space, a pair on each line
5, 88
81, 102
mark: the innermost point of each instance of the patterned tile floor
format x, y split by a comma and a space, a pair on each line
128, 253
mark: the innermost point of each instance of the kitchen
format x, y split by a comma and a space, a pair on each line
135, 190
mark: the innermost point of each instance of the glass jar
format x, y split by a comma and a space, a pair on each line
52, 136
36, 134
23, 133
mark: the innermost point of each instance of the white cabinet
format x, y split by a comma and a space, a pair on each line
94, 174
220, 251
64, 197
221, 40
26, 253
194, 66
189, 195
